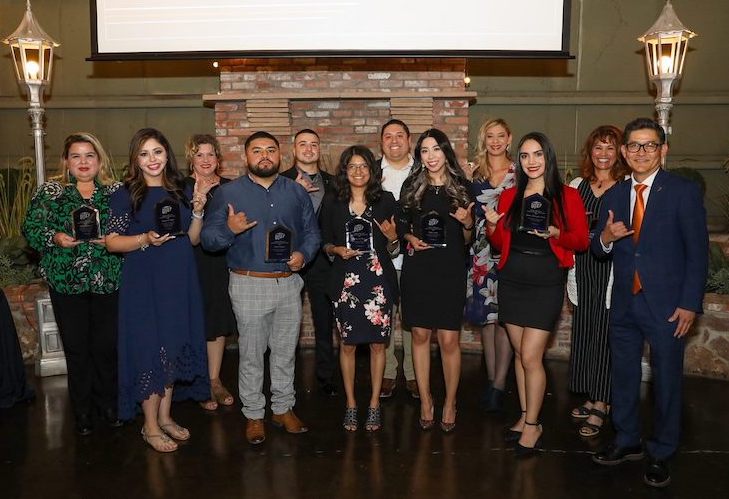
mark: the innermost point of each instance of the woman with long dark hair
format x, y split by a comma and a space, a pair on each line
364, 283
82, 276
589, 284
161, 328
434, 277
533, 269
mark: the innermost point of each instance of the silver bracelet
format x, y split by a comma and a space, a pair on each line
142, 245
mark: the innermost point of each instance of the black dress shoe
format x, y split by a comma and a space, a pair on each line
613, 455
84, 426
495, 402
657, 474
329, 390
110, 418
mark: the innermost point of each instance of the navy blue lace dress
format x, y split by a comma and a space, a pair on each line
161, 325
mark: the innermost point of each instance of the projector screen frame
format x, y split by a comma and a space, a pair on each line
564, 53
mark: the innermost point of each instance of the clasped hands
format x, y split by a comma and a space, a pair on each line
65, 241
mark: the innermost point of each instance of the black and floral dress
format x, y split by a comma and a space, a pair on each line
363, 289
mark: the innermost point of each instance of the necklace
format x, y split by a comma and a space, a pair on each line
436, 188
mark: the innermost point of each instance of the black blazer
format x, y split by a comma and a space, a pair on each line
317, 272
334, 214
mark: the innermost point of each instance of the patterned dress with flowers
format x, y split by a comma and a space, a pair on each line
481, 305
363, 311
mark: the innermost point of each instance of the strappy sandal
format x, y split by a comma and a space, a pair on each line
176, 431
209, 405
581, 412
374, 419
220, 394
591, 429
158, 442
350, 422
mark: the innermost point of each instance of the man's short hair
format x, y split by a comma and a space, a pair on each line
306, 130
395, 121
643, 124
260, 135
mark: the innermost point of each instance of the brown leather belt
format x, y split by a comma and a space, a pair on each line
265, 275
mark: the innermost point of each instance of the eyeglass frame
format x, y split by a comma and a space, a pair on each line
638, 146
357, 166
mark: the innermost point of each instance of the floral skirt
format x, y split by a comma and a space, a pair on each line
363, 312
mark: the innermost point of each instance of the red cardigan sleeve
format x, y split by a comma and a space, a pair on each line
576, 237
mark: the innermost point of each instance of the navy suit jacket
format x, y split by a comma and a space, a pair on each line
672, 253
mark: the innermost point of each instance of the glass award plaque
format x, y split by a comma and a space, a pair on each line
279, 241
536, 212
85, 223
359, 234
167, 217
433, 229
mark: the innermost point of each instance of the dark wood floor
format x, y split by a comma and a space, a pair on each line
42, 457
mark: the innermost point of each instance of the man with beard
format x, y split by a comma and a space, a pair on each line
307, 171
265, 294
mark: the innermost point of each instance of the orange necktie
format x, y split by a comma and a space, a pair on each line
638, 213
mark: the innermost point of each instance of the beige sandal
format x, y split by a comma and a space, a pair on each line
209, 405
220, 394
176, 431
160, 443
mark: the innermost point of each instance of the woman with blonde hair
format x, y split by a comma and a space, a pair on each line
492, 172
203, 156
82, 276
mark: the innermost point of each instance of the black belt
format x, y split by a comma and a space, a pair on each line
531, 252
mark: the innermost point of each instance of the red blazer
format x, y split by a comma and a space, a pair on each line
575, 239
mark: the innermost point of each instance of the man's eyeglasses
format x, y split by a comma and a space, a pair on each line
649, 147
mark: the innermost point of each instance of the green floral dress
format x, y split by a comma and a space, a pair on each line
88, 267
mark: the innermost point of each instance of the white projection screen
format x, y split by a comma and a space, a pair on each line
177, 29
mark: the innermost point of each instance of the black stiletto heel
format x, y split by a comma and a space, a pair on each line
524, 451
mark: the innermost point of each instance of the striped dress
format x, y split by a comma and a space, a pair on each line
590, 354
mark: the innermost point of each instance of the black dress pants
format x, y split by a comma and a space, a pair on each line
323, 319
88, 326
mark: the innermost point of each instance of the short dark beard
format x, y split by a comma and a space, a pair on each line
264, 173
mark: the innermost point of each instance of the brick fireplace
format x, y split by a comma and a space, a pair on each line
345, 100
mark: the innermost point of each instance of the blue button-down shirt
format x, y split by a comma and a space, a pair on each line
284, 203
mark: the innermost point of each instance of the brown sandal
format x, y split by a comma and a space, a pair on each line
220, 394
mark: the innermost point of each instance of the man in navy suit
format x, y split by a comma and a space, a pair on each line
659, 246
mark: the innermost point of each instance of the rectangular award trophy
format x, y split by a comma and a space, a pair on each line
279, 241
433, 229
167, 217
86, 224
359, 234
536, 211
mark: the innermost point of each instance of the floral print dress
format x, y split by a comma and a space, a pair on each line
481, 284
363, 312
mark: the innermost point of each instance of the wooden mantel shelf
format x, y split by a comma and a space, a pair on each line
212, 99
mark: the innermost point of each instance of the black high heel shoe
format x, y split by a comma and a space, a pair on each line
510, 435
524, 451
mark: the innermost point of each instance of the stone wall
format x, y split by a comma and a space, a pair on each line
345, 101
